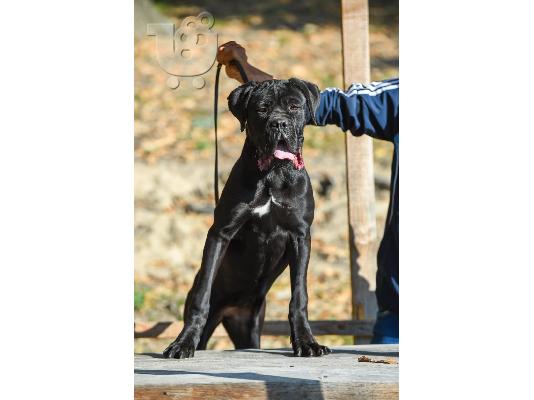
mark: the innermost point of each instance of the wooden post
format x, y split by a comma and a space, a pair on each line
360, 173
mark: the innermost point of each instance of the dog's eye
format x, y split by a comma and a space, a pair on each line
264, 107
294, 107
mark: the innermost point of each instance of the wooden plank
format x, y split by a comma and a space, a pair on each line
363, 328
269, 374
165, 330
360, 171
171, 329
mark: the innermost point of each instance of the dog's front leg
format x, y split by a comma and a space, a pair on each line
197, 308
302, 340
198, 299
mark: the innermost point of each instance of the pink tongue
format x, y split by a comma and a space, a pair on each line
284, 155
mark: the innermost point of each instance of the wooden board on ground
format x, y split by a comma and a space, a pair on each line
270, 374
168, 329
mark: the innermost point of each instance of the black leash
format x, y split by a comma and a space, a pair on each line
215, 112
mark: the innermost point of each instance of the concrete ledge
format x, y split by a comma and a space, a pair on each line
269, 374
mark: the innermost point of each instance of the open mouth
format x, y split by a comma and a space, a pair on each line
282, 152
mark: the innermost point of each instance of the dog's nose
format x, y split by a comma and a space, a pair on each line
278, 123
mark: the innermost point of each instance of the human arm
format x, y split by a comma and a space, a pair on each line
371, 109
233, 51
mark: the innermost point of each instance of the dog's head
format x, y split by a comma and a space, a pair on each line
274, 114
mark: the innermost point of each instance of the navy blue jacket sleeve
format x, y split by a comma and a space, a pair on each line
363, 109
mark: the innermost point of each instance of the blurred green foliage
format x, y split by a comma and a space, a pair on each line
139, 297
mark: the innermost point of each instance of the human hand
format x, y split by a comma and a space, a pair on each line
232, 51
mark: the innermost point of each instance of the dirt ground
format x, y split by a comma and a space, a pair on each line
174, 155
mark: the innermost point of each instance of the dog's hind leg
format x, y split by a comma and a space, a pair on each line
244, 325
214, 318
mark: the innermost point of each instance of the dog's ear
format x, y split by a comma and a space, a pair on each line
238, 101
310, 92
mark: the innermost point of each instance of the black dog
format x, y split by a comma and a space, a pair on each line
262, 224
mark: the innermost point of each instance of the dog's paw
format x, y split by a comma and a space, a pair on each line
310, 349
180, 349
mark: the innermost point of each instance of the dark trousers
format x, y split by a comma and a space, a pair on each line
387, 278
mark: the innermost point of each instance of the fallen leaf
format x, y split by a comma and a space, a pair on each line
370, 360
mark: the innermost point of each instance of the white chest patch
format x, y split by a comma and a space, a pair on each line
262, 210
